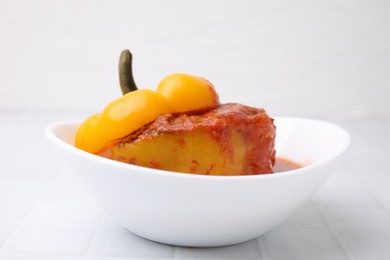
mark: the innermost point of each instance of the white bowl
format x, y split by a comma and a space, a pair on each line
196, 210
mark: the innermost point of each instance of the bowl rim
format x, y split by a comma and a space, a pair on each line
51, 136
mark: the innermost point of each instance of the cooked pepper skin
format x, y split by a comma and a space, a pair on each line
185, 92
120, 118
177, 93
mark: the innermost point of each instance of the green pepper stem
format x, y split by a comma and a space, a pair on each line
126, 79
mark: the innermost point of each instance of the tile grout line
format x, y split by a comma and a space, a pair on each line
263, 250
175, 256
367, 190
95, 235
4, 250
334, 230
378, 201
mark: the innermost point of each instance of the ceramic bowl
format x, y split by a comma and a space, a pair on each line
203, 211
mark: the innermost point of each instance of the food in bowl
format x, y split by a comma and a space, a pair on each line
180, 127
198, 210
231, 139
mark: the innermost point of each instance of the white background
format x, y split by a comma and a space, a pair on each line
300, 58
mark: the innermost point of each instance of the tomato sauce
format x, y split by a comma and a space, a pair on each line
283, 165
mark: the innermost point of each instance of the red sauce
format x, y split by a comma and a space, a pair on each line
283, 165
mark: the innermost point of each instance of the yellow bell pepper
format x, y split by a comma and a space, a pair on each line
177, 93
188, 93
120, 118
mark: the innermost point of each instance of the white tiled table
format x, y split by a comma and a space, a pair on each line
44, 214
